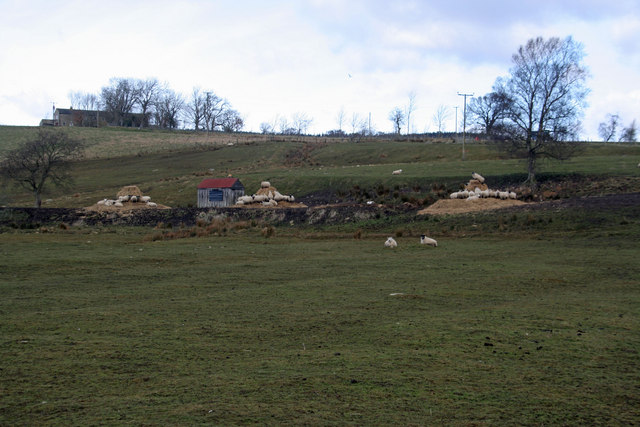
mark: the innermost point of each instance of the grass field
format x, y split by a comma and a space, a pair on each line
517, 318
169, 165
103, 327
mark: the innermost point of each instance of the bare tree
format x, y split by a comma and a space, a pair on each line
607, 130
83, 100
397, 118
45, 158
301, 122
213, 108
629, 134
546, 96
266, 128
146, 92
411, 106
168, 109
440, 116
231, 121
340, 118
119, 98
195, 109
487, 112
358, 124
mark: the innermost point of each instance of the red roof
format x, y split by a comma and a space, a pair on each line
218, 183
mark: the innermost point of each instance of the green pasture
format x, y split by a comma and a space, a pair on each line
521, 327
169, 165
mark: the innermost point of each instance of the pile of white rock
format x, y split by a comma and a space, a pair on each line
477, 189
267, 195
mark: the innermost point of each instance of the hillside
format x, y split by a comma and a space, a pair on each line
168, 166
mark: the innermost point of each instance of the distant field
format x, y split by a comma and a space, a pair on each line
527, 328
169, 165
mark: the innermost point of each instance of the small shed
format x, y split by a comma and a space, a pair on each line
219, 192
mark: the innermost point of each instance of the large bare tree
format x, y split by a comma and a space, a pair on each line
146, 92
119, 98
45, 158
488, 112
546, 95
411, 106
168, 109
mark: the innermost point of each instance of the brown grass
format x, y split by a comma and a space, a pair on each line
456, 206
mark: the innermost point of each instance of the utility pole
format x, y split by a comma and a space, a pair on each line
464, 120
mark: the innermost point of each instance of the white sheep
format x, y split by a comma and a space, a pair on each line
145, 199
152, 204
259, 198
245, 199
477, 190
478, 177
265, 184
102, 202
463, 194
485, 193
474, 197
503, 195
396, 172
390, 243
118, 204
133, 199
424, 240
277, 196
108, 202
512, 195
453, 195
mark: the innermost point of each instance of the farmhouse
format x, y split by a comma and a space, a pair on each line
219, 192
73, 117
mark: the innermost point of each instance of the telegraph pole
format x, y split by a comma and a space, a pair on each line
464, 120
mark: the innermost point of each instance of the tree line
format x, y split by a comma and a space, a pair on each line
159, 106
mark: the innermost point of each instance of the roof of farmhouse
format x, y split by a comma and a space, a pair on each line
220, 183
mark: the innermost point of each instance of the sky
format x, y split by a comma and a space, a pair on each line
277, 58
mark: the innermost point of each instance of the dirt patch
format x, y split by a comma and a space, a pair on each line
457, 206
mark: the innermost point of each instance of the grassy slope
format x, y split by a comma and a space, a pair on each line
526, 329
168, 165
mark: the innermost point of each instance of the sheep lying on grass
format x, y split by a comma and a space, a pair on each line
396, 172
424, 240
390, 243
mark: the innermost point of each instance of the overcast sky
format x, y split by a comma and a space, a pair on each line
279, 57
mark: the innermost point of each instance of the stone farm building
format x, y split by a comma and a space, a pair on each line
92, 118
219, 192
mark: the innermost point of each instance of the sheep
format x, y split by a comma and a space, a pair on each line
390, 243
145, 199
102, 202
259, 198
463, 194
453, 195
477, 190
485, 193
277, 196
265, 184
512, 195
245, 199
503, 195
478, 177
424, 240
108, 202
474, 197
396, 172
133, 199
118, 204
152, 204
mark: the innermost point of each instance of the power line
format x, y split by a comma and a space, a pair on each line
464, 120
